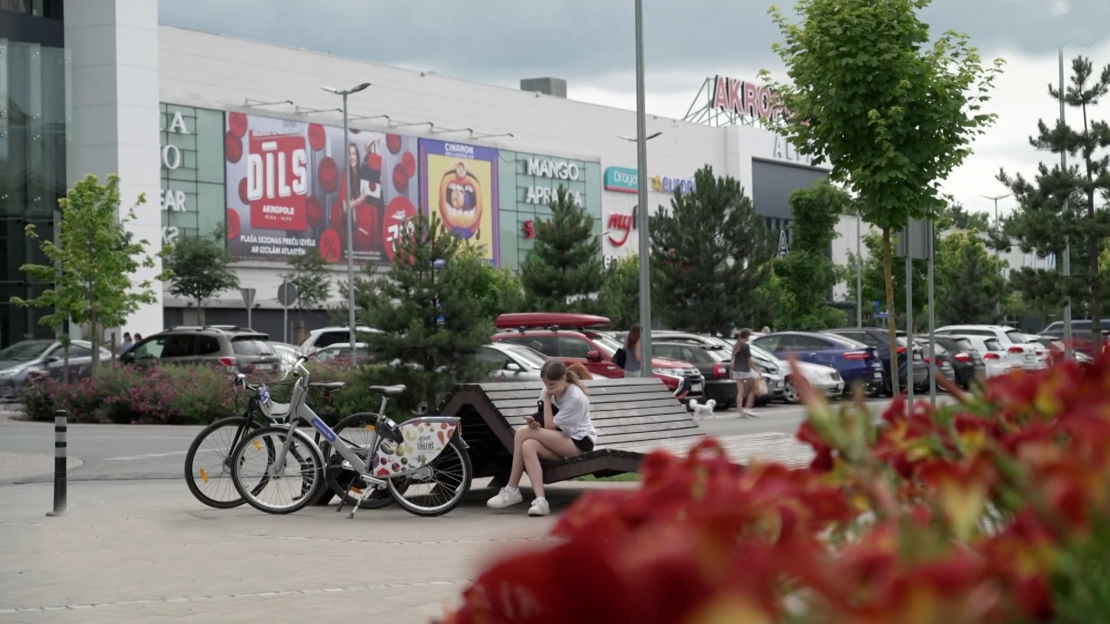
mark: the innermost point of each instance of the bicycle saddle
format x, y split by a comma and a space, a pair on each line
327, 386
389, 390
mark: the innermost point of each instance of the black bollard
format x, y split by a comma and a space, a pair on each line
60, 505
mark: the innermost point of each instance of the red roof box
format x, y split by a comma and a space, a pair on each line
549, 320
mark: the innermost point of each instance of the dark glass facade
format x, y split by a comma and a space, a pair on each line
34, 115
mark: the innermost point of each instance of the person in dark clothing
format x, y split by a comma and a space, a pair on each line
745, 373
631, 362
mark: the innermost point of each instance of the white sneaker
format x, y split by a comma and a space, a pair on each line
750, 413
505, 498
539, 507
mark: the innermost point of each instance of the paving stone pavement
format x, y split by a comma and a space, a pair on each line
146, 551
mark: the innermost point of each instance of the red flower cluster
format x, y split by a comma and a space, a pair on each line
949, 516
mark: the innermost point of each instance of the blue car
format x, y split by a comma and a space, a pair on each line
856, 362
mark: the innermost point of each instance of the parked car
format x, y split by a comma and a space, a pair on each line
245, 350
511, 362
879, 339
995, 358
288, 354
578, 338
856, 362
943, 362
967, 362
28, 359
327, 336
824, 379
713, 361
1018, 351
341, 352
1082, 338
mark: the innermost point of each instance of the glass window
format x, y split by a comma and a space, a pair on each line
179, 346
606, 344
251, 346
76, 351
486, 355
992, 344
770, 343
330, 338
25, 351
696, 355
546, 345
152, 348
207, 345
570, 347
667, 351
1017, 337
531, 358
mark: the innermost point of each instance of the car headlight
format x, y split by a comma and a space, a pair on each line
9, 373
675, 372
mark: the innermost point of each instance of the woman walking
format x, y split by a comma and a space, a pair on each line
745, 373
632, 351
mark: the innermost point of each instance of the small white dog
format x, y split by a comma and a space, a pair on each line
703, 410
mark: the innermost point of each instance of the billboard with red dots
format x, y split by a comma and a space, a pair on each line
287, 182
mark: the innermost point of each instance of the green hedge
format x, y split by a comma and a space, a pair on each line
180, 395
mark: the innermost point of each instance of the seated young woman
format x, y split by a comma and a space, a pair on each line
565, 431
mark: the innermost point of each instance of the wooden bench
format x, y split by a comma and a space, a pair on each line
633, 416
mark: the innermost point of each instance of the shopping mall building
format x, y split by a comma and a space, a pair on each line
234, 136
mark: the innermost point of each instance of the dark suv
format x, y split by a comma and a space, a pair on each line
879, 339
248, 351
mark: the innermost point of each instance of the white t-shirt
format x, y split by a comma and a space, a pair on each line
573, 418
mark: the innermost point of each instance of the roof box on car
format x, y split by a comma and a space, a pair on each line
549, 320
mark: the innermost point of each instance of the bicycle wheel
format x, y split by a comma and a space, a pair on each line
209, 461
438, 487
277, 489
356, 431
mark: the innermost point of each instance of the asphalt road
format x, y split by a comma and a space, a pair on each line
120, 452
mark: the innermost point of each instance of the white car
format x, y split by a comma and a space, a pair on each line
327, 336
512, 362
824, 379
1019, 352
995, 356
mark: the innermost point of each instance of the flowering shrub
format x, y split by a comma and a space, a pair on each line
996, 509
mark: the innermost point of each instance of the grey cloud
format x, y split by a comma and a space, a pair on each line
588, 40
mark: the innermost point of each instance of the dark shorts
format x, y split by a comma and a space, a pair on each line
585, 444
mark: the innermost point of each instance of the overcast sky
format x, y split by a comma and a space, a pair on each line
590, 44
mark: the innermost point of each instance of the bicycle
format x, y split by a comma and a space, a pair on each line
423, 458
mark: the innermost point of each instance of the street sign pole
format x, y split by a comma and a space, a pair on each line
248, 300
909, 315
932, 317
287, 294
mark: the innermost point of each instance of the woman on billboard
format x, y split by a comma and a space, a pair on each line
364, 195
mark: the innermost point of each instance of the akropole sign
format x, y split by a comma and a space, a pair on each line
745, 98
287, 181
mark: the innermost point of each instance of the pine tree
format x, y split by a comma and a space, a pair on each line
427, 310
201, 269
1061, 206
711, 252
564, 269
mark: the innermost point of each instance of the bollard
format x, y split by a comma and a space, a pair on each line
59, 464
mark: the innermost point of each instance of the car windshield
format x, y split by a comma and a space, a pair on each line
531, 358
724, 355
251, 347
761, 353
1017, 337
25, 351
842, 341
607, 344
992, 345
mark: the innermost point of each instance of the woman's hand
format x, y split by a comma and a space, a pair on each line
531, 422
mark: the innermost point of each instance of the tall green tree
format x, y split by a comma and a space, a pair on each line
93, 264
1069, 204
961, 218
892, 113
807, 270
201, 268
310, 275
564, 269
619, 297
499, 290
711, 252
874, 284
427, 310
970, 282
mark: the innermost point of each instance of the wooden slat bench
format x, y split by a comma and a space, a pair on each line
633, 416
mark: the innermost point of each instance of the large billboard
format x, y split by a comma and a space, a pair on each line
286, 183
460, 185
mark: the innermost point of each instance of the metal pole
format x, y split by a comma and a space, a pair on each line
60, 503
641, 188
859, 271
909, 316
1068, 354
932, 321
250, 323
285, 324
350, 240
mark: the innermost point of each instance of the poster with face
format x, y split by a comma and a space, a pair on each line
460, 187
289, 185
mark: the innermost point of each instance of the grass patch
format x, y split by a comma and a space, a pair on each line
625, 478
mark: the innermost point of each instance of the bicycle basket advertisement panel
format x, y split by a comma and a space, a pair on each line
423, 442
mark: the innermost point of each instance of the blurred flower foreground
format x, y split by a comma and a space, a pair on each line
996, 509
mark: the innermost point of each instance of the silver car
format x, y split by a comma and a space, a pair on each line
823, 379
43, 358
511, 362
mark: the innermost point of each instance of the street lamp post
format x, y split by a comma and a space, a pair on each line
998, 231
859, 271
641, 188
1067, 248
350, 221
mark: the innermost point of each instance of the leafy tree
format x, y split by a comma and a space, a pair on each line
807, 271
499, 289
969, 280
309, 274
92, 264
874, 285
426, 308
713, 253
1062, 205
891, 113
620, 292
564, 268
201, 268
